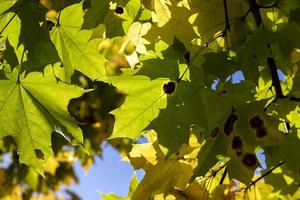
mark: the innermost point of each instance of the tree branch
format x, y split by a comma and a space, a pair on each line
275, 78
254, 9
227, 24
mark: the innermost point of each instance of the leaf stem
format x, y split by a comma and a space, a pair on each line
21, 65
223, 176
59, 13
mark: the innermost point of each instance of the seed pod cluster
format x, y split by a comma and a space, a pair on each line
257, 124
119, 10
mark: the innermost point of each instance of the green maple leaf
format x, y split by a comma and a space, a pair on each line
144, 96
96, 12
27, 18
218, 65
286, 180
74, 47
5, 5
172, 21
31, 108
103, 12
210, 17
211, 150
184, 110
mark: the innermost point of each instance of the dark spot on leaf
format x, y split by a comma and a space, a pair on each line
177, 153
224, 91
169, 87
187, 56
256, 122
118, 146
238, 153
39, 154
228, 127
214, 132
49, 24
77, 108
237, 142
249, 160
261, 132
119, 10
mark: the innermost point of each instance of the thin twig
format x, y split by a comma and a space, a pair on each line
223, 176
21, 65
266, 173
221, 34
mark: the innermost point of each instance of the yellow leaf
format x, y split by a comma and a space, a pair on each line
159, 170
51, 165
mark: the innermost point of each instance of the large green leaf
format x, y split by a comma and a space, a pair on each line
5, 5
31, 108
74, 47
184, 110
172, 21
96, 12
29, 18
144, 98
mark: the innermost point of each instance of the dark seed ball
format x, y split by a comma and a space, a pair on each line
261, 132
119, 10
169, 87
187, 56
249, 159
256, 122
49, 24
237, 142
228, 127
214, 132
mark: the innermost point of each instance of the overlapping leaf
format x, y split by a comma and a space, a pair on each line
26, 21
159, 171
74, 47
30, 111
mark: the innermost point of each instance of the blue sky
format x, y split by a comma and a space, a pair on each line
108, 174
